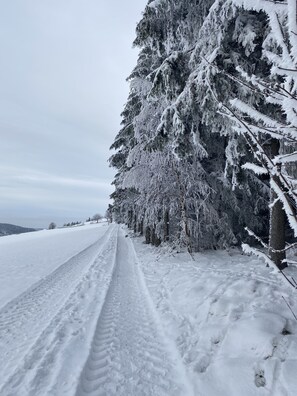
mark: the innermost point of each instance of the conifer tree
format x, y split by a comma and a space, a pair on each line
265, 115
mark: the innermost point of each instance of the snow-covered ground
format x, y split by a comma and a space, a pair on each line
226, 314
26, 258
89, 311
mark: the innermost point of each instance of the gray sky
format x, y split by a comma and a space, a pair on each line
63, 65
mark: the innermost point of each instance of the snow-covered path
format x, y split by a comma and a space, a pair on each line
89, 327
36, 326
129, 355
98, 314
27, 258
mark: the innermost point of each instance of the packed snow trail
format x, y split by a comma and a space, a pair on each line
36, 326
88, 328
27, 258
129, 355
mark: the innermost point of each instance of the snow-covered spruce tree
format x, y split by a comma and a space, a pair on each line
278, 90
171, 130
129, 204
124, 199
239, 199
255, 51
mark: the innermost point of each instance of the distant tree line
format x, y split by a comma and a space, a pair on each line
73, 223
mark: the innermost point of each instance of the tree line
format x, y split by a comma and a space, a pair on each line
206, 156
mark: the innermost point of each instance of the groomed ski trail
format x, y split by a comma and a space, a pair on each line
129, 355
38, 326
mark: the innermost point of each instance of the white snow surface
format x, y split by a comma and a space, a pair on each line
26, 258
91, 311
226, 314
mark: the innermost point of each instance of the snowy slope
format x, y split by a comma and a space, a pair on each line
106, 315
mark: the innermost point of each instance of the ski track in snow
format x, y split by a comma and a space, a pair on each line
29, 324
89, 328
129, 355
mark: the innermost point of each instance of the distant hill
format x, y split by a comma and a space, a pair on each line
9, 229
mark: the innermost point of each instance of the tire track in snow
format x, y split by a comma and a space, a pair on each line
26, 318
129, 354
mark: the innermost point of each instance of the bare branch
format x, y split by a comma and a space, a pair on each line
288, 305
283, 68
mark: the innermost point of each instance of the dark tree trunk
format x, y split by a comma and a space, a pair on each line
140, 227
130, 219
147, 235
166, 225
183, 212
135, 224
155, 240
277, 241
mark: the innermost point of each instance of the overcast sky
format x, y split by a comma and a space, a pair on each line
63, 65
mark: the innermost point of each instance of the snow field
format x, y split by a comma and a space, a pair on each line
226, 314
